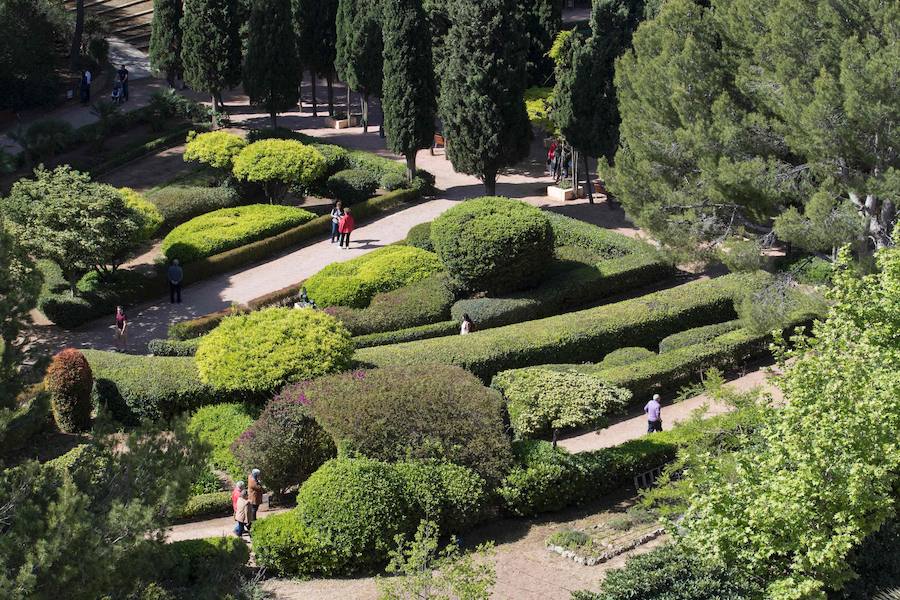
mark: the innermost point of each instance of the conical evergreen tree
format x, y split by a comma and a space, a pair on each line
358, 59
165, 38
409, 96
315, 28
482, 88
272, 69
544, 19
211, 46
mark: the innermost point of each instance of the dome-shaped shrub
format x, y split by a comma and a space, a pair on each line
351, 186
419, 236
278, 165
360, 505
70, 381
215, 148
493, 244
259, 352
625, 356
151, 218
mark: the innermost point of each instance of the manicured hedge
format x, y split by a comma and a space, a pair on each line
410, 334
419, 236
229, 228
697, 335
147, 388
261, 351
212, 504
575, 337
286, 545
180, 203
352, 186
209, 565
420, 303
218, 426
626, 356
69, 382
18, 426
419, 412
215, 148
353, 283
168, 347
493, 244
194, 328
453, 496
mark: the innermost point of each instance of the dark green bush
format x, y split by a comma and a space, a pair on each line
493, 244
671, 573
211, 564
336, 158
351, 186
167, 347
378, 166
626, 356
576, 337
285, 443
419, 236
876, 563
409, 334
393, 181
212, 504
286, 545
452, 496
218, 426
147, 388
44, 139
419, 412
69, 382
179, 203
420, 303
18, 426
690, 337
359, 505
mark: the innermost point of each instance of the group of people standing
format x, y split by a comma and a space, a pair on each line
246, 500
559, 160
120, 86
342, 225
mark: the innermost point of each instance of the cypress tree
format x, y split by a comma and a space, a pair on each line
165, 38
358, 57
211, 47
409, 95
544, 18
482, 89
272, 69
315, 28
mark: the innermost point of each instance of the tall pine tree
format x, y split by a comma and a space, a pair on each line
211, 47
358, 58
272, 69
482, 89
315, 27
165, 38
585, 108
409, 95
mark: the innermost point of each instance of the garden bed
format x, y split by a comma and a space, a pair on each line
613, 536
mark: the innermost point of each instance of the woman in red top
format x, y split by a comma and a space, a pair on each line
121, 326
345, 226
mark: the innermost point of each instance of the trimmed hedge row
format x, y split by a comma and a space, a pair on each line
171, 347
180, 203
147, 388
98, 298
576, 337
697, 335
409, 334
626, 356
213, 504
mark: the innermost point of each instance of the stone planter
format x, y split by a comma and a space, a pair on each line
557, 193
352, 121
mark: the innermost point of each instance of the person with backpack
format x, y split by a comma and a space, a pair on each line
346, 226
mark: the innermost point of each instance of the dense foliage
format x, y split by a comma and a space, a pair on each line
228, 228
426, 412
628, 355
351, 186
214, 148
493, 244
259, 352
353, 283
278, 165
69, 382
315, 25
272, 68
690, 337
150, 217
180, 203
218, 426
29, 30
358, 58
165, 38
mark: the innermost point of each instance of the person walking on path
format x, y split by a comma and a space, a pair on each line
236, 494
337, 211
243, 515
346, 226
255, 489
121, 329
85, 87
122, 74
654, 414
466, 326
176, 276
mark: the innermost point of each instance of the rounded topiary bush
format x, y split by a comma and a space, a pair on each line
259, 352
493, 244
360, 505
279, 164
352, 186
419, 236
625, 356
453, 496
285, 443
285, 545
217, 149
70, 381
151, 218
353, 283
416, 412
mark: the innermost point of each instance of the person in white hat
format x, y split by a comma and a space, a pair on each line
654, 414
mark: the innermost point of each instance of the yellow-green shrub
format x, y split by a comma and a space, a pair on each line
151, 217
216, 148
279, 164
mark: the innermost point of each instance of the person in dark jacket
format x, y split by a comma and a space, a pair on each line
176, 276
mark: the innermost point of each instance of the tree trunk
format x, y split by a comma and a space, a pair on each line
272, 117
555, 432
587, 179
348, 103
312, 76
330, 81
490, 183
410, 165
75, 51
365, 112
170, 78
215, 120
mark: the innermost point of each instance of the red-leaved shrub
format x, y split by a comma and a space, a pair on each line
69, 381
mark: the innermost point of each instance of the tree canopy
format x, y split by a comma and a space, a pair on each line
734, 111
272, 68
358, 59
165, 38
315, 23
211, 45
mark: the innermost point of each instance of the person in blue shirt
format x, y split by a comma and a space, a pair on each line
176, 276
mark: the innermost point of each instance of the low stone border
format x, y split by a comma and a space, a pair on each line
613, 552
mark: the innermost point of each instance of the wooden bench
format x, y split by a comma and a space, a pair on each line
439, 142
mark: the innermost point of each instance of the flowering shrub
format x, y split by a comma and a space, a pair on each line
401, 413
69, 381
285, 444
216, 148
259, 352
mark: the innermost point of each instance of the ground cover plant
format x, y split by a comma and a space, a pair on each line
229, 228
